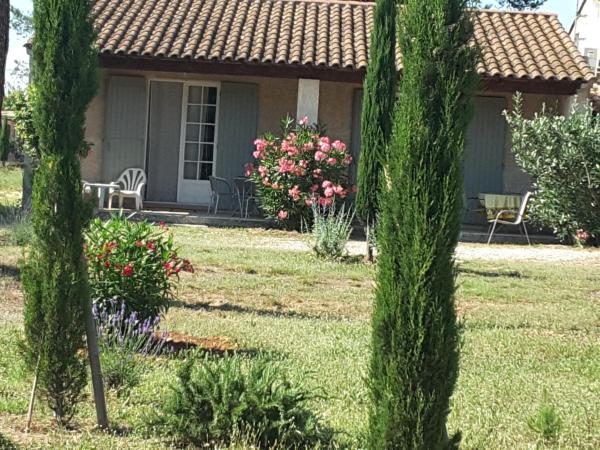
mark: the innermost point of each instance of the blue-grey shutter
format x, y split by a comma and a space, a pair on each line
484, 151
238, 124
164, 131
125, 126
357, 99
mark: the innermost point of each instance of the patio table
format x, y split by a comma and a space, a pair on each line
101, 188
498, 202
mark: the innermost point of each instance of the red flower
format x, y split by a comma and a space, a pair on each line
139, 244
150, 246
118, 266
127, 270
162, 224
100, 256
107, 264
168, 267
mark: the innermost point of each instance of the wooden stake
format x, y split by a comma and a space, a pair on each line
94, 357
33, 389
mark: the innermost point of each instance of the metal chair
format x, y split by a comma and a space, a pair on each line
132, 182
518, 221
220, 188
242, 190
250, 196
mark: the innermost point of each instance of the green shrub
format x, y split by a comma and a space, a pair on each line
562, 155
135, 262
121, 369
215, 399
331, 230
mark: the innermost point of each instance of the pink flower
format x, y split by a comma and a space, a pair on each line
258, 154
348, 160
294, 193
308, 146
299, 171
314, 188
338, 190
324, 140
291, 150
319, 155
248, 169
286, 165
263, 171
325, 147
317, 173
260, 144
309, 202
276, 186
303, 163
266, 181
326, 201
282, 215
339, 145
327, 184
303, 121
139, 244
329, 192
332, 161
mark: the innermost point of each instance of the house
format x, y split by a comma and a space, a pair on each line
187, 85
585, 32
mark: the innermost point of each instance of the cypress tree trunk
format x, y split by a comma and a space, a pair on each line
55, 277
377, 111
4, 35
415, 340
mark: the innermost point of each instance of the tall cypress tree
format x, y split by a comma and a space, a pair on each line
415, 340
379, 96
54, 277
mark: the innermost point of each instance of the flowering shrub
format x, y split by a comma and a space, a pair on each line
123, 339
134, 261
298, 169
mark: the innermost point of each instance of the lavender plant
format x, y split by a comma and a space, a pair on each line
124, 341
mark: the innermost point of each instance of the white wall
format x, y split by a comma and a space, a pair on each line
586, 30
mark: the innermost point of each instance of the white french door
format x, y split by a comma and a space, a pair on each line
198, 152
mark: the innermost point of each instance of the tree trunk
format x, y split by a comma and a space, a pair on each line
4, 30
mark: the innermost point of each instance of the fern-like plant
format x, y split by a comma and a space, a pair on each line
215, 399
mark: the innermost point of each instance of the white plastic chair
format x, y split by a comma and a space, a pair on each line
519, 219
132, 182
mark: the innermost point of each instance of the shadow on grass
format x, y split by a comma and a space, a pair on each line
229, 307
10, 271
490, 274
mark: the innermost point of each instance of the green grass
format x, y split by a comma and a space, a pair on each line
11, 179
528, 328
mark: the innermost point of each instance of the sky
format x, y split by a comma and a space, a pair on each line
564, 8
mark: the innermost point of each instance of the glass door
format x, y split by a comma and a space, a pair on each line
199, 142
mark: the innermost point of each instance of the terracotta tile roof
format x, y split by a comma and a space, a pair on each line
325, 33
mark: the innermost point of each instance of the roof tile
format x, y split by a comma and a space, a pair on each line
327, 33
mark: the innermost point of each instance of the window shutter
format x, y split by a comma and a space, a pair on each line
124, 126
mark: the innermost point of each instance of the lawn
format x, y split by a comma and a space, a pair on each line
528, 327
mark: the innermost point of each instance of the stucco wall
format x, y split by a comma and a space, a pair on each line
278, 97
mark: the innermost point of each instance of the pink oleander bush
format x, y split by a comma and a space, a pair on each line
297, 170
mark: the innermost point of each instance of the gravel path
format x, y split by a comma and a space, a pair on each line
467, 252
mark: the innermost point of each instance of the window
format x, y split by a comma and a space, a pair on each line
200, 130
